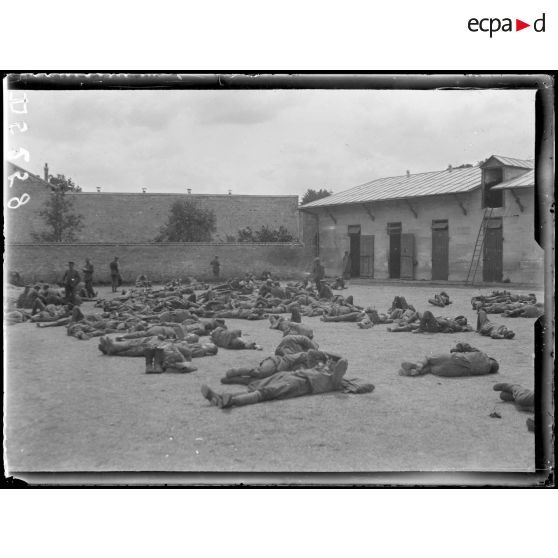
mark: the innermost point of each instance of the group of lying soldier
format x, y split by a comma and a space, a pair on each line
172, 325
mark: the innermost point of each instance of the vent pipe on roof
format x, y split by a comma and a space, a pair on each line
408, 173
144, 189
98, 189
189, 190
230, 192
46, 172
450, 168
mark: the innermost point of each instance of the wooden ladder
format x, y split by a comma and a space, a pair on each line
479, 244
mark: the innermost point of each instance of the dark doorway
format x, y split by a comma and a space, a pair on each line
407, 269
355, 255
394, 232
492, 177
440, 250
367, 256
492, 263
354, 247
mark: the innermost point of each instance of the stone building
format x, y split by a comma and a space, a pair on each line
447, 225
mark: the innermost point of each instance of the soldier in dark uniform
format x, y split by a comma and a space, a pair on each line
114, 274
284, 385
88, 278
70, 280
215, 266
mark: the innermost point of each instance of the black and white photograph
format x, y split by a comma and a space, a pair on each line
254, 275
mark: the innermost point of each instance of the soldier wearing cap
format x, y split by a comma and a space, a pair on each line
70, 280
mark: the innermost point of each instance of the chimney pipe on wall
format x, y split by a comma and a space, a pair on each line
46, 172
450, 168
408, 174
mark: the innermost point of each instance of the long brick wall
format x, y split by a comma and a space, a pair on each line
129, 218
160, 262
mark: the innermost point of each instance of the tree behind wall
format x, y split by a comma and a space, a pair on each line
312, 195
188, 222
265, 234
61, 222
60, 182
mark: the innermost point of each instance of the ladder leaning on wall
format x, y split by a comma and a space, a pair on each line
479, 244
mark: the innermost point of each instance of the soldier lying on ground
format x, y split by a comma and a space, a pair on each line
137, 347
490, 329
273, 364
399, 302
284, 385
288, 327
292, 344
501, 297
322, 377
428, 323
343, 315
441, 299
526, 311
169, 357
523, 398
52, 313
372, 318
463, 360
232, 339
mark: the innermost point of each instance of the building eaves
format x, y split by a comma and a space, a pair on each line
525, 180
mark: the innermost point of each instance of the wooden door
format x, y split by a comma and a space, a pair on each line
492, 263
355, 254
367, 256
394, 255
407, 256
440, 250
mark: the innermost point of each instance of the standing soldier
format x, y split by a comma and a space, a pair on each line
318, 273
216, 265
346, 265
70, 280
88, 278
114, 274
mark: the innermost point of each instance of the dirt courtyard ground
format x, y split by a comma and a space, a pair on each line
70, 408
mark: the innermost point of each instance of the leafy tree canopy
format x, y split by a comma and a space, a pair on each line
60, 182
62, 224
265, 234
312, 195
188, 222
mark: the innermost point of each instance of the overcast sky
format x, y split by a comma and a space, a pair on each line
274, 142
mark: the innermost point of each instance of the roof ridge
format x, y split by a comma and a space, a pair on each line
410, 175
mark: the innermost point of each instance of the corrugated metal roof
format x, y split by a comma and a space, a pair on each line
512, 162
527, 179
399, 187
